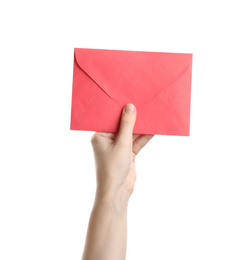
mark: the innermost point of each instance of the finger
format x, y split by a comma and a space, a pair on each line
135, 136
128, 118
107, 135
140, 142
99, 135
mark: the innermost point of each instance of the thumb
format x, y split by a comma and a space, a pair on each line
128, 119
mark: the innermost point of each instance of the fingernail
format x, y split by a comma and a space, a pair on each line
129, 108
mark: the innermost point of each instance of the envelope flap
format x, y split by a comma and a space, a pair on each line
132, 76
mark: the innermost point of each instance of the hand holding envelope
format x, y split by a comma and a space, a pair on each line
158, 84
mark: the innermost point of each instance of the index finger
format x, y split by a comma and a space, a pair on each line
140, 142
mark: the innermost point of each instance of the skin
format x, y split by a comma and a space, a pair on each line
115, 156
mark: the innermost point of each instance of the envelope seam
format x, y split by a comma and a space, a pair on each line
95, 81
81, 113
182, 73
176, 113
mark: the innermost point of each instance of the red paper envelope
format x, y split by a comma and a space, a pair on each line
158, 84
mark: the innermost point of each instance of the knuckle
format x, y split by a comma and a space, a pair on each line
94, 139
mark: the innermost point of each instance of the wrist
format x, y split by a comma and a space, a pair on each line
116, 200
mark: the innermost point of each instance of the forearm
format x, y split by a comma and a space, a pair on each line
107, 230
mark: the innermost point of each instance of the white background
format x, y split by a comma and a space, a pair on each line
190, 198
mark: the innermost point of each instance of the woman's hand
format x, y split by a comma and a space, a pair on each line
115, 167
115, 158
